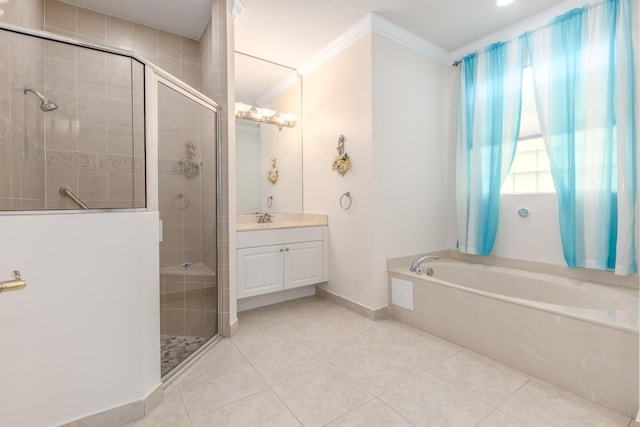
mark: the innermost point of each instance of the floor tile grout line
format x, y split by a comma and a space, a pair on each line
233, 403
451, 383
287, 406
349, 412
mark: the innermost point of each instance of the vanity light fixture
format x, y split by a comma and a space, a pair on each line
503, 2
242, 108
265, 112
264, 115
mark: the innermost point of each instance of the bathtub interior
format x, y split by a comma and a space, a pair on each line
614, 306
540, 287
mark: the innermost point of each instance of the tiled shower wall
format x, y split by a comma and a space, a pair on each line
22, 156
202, 64
214, 70
187, 167
175, 54
21, 137
182, 212
95, 139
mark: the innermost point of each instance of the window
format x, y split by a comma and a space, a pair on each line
530, 171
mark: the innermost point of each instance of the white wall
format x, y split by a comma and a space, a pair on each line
387, 102
286, 146
83, 336
409, 156
338, 100
533, 238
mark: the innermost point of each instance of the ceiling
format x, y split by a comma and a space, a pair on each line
290, 32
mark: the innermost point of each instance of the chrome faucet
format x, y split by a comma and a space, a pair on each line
266, 218
415, 266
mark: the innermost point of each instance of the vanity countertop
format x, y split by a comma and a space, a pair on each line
250, 222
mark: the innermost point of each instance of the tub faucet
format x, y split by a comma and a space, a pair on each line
415, 266
266, 218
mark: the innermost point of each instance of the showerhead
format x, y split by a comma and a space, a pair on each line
45, 104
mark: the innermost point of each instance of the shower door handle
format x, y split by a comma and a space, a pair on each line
13, 285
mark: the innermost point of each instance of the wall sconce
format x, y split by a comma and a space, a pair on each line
264, 115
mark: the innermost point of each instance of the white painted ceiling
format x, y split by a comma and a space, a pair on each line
289, 32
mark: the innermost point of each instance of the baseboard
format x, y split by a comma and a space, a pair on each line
369, 313
121, 415
153, 399
250, 303
234, 328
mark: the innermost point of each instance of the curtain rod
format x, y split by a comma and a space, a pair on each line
548, 24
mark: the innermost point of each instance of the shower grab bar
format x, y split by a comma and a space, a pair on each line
66, 191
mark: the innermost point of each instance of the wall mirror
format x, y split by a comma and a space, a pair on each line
268, 136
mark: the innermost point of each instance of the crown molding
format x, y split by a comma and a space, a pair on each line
344, 40
406, 38
515, 30
373, 23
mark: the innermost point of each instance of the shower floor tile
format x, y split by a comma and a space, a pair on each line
176, 348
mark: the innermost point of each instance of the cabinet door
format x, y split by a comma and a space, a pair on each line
302, 264
259, 270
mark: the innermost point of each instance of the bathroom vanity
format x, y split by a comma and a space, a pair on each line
281, 260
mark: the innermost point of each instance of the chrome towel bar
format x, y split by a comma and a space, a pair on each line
66, 191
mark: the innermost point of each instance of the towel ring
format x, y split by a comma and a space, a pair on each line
345, 201
181, 202
270, 202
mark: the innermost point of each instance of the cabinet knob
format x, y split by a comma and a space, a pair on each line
281, 250
287, 249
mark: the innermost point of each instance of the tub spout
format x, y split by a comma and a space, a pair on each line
415, 266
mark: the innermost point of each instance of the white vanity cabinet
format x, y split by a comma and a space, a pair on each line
275, 260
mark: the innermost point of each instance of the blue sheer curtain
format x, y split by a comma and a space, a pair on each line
490, 93
585, 95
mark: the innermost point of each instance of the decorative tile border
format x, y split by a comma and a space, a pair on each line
72, 160
120, 163
170, 167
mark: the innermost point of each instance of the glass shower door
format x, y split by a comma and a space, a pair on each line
187, 204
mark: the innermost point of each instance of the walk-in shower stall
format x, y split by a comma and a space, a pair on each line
187, 204
87, 128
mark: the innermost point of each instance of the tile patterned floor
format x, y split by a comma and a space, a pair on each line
310, 362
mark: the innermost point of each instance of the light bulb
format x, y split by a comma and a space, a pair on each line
287, 117
265, 112
242, 108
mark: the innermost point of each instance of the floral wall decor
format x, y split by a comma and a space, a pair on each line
342, 161
272, 174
